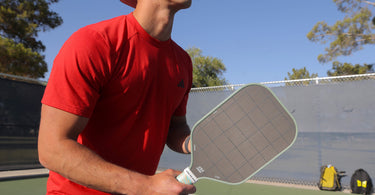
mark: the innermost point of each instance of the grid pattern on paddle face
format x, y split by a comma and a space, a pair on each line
241, 136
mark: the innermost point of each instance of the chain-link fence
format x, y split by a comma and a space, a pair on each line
294, 83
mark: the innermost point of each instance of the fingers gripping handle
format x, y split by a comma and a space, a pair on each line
187, 177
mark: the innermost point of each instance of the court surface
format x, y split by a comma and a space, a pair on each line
205, 187
36, 186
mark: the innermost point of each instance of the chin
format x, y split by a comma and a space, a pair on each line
188, 3
185, 4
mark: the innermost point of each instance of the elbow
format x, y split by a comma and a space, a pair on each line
43, 157
45, 152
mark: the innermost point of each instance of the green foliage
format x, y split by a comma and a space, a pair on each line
207, 70
16, 59
347, 35
20, 23
340, 69
302, 73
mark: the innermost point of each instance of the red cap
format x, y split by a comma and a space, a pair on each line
131, 3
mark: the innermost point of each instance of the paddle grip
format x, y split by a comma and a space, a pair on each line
187, 177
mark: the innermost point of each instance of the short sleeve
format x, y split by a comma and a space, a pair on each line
79, 72
181, 109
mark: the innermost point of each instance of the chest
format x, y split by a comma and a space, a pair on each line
148, 76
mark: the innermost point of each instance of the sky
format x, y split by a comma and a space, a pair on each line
258, 41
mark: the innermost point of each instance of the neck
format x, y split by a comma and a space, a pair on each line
155, 19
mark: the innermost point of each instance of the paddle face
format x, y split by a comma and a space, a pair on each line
241, 136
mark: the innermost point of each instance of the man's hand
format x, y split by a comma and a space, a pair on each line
166, 183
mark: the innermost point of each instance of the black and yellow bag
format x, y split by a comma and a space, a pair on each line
330, 178
361, 182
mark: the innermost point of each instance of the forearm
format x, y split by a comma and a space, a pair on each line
84, 167
79, 164
59, 151
178, 135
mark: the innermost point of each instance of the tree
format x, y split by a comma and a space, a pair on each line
207, 70
340, 69
302, 73
20, 23
348, 35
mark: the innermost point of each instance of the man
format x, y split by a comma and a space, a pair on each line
116, 94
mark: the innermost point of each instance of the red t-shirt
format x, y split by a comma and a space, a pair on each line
129, 85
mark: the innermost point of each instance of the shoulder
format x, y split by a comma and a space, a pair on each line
112, 32
181, 53
184, 58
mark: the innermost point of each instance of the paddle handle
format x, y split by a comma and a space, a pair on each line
187, 177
